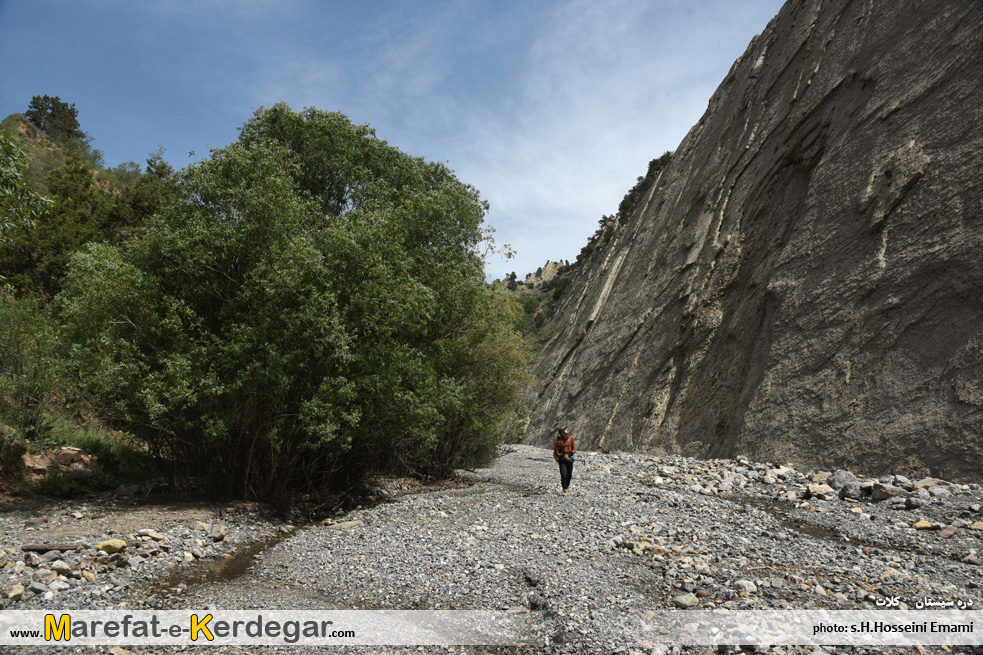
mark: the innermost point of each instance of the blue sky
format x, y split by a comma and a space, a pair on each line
551, 109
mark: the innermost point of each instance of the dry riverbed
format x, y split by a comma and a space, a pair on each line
639, 534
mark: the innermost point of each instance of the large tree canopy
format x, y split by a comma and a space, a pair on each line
308, 306
55, 118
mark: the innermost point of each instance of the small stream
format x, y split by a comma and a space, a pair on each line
777, 509
238, 563
220, 569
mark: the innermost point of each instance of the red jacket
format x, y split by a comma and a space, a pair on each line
564, 446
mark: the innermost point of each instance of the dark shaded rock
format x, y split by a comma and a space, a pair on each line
884, 491
851, 490
841, 478
914, 502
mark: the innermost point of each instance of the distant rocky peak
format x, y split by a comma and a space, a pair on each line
545, 273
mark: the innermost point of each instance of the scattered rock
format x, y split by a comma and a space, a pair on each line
851, 490
841, 478
882, 491
60, 567
913, 502
820, 492
111, 546
68, 456
685, 601
37, 464
502, 539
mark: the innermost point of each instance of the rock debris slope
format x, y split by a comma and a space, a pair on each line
804, 281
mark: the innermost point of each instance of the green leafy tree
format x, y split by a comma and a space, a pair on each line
29, 367
133, 206
20, 207
124, 175
57, 119
38, 258
91, 205
157, 166
308, 306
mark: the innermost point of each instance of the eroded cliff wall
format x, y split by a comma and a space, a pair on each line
804, 281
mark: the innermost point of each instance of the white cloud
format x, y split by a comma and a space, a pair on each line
607, 89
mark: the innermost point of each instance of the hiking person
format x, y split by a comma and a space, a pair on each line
564, 450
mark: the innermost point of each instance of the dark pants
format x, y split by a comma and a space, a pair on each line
566, 472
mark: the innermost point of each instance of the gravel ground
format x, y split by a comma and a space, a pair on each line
638, 534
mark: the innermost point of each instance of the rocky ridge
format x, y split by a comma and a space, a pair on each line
802, 282
545, 273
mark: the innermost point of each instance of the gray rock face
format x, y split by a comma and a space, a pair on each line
803, 282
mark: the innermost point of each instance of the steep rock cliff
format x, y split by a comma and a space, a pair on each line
804, 281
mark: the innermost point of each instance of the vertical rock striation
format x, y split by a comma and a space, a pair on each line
804, 281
